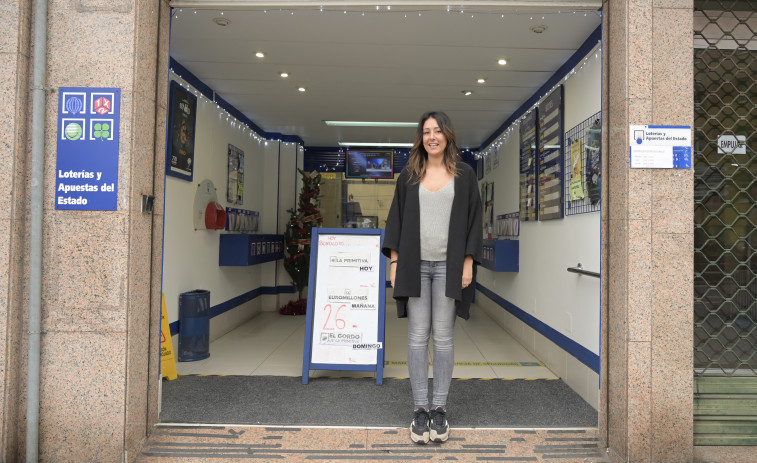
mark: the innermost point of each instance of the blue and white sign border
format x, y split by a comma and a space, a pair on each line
660, 146
307, 364
86, 169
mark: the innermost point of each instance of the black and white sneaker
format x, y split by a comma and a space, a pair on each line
419, 426
438, 424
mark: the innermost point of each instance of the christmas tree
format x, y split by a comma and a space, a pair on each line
297, 239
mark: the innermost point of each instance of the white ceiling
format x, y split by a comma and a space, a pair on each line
376, 65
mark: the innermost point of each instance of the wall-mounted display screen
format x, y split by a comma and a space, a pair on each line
369, 164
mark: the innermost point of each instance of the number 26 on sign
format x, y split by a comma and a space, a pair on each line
339, 323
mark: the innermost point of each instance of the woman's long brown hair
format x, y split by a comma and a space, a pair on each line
416, 163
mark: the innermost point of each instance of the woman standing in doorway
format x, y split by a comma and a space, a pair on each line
433, 238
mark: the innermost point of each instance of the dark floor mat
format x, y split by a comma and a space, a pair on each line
281, 400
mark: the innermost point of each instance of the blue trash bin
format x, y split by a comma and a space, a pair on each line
194, 325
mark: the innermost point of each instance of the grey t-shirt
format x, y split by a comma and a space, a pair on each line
435, 214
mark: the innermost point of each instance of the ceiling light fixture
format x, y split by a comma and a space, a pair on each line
502, 62
481, 80
260, 54
377, 145
538, 29
467, 92
369, 124
301, 89
284, 74
221, 21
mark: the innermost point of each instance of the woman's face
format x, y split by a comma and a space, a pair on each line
433, 138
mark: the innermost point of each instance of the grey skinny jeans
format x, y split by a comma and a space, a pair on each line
432, 312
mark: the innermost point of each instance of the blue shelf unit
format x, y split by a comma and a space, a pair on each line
245, 249
501, 255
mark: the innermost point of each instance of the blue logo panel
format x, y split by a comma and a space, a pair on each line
682, 157
86, 173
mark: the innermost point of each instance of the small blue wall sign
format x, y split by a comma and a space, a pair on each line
660, 146
86, 173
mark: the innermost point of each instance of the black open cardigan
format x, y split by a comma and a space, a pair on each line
465, 234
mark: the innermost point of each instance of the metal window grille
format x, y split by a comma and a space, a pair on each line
725, 189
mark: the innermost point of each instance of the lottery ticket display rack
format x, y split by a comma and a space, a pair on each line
344, 329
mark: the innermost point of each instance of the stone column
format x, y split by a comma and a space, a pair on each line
648, 237
100, 293
15, 93
159, 183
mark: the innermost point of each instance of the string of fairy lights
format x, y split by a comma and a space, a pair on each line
399, 11
224, 115
503, 137
595, 55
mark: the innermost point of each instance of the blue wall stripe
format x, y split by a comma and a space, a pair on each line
584, 355
239, 300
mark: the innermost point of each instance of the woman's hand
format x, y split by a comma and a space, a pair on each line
467, 271
393, 266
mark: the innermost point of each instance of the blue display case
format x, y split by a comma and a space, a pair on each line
501, 255
245, 249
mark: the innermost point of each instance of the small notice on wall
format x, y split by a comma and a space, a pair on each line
576, 178
660, 147
86, 173
731, 144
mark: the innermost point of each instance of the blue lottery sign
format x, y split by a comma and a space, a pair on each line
86, 174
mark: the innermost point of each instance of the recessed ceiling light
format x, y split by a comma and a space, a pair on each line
481, 80
467, 92
369, 124
502, 62
284, 74
301, 89
538, 29
377, 145
221, 21
260, 54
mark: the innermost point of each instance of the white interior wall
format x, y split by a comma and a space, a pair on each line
190, 257
564, 301
288, 188
269, 216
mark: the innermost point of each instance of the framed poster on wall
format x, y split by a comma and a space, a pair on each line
550, 156
180, 150
528, 168
235, 184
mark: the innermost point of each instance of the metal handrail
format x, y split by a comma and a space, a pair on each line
580, 270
